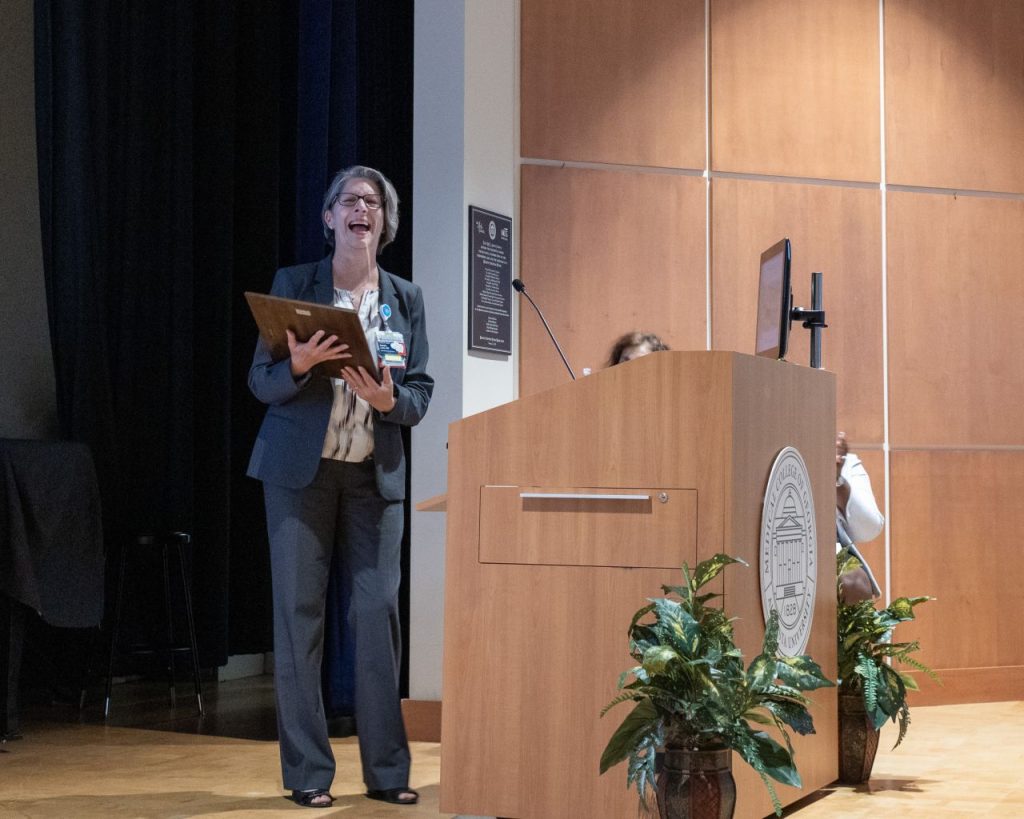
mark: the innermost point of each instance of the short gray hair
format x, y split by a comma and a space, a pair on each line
383, 185
635, 339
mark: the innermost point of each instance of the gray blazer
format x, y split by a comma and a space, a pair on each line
291, 439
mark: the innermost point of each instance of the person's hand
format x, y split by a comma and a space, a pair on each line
842, 487
855, 587
307, 354
842, 450
379, 396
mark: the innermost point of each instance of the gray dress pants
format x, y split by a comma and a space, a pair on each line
341, 509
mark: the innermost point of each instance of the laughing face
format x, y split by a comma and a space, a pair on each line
356, 224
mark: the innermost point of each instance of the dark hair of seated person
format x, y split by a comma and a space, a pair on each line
633, 345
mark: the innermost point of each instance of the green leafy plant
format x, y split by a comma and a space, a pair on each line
866, 653
691, 690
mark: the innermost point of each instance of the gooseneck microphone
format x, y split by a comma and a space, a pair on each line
521, 288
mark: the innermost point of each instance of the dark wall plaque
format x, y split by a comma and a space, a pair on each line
490, 281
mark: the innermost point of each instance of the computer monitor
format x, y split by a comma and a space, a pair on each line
774, 300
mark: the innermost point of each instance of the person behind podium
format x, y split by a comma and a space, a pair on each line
634, 345
858, 520
330, 456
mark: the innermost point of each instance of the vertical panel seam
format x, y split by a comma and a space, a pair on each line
886, 443
517, 184
707, 172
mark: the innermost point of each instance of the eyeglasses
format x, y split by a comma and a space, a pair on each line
373, 201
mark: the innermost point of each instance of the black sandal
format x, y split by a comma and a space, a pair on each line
394, 796
306, 798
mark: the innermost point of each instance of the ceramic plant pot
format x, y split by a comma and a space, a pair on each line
858, 740
696, 784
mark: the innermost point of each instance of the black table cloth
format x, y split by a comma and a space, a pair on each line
51, 535
51, 550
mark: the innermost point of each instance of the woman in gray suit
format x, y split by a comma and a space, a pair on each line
330, 456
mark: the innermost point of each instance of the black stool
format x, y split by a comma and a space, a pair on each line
167, 542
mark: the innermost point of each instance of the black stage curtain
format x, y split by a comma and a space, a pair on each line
184, 148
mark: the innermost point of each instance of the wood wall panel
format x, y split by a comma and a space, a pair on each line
955, 334
603, 253
794, 88
960, 685
955, 536
833, 229
604, 81
954, 87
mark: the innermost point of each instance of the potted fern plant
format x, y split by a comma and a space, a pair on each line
693, 697
871, 690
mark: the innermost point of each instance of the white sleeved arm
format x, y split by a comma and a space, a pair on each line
863, 520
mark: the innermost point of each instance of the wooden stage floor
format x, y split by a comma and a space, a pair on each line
151, 760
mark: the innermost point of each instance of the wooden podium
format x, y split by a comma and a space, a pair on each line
671, 455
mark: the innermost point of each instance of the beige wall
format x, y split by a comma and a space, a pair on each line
660, 152
28, 399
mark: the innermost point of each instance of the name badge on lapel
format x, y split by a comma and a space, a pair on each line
391, 350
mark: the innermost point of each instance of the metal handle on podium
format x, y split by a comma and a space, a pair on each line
581, 496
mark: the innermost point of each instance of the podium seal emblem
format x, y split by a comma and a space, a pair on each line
789, 551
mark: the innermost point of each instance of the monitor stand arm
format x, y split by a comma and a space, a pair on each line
813, 319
